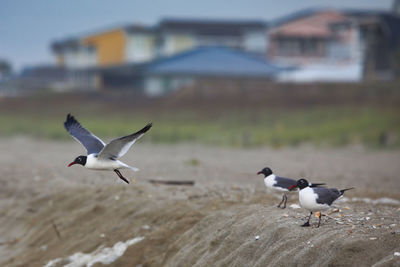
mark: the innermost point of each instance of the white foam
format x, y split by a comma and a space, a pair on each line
383, 200
53, 262
101, 254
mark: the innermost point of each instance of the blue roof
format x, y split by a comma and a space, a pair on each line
214, 61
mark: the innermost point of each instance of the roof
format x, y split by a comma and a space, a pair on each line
295, 16
313, 25
214, 61
316, 21
76, 41
311, 11
138, 28
196, 26
212, 27
71, 43
365, 12
43, 71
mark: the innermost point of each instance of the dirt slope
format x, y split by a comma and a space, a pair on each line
51, 212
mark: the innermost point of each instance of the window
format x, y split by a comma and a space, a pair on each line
299, 46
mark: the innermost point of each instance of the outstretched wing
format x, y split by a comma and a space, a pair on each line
91, 142
118, 147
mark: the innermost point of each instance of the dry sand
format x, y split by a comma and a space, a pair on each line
49, 211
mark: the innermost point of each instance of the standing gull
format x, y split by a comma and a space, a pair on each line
101, 156
279, 184
316, 199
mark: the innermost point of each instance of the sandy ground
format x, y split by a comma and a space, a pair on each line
50, 212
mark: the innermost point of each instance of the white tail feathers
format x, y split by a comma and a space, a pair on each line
128, 167
134, 169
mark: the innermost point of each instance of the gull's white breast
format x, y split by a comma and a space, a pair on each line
308, 200
270, 181
93, 162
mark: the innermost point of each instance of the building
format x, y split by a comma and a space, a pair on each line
380, 36
207, 63
138, 43
116, 57
319, 44
177, 35
336, 45
310, 39
167, 74
116, 46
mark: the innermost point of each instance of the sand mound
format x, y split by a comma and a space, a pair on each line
59, 216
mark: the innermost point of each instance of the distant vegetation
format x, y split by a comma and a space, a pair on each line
247, 126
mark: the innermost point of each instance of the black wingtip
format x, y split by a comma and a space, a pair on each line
343, 190
145, 128
70, 119
316, 185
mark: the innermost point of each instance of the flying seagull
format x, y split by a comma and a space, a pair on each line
101, 156
280, 184
316, 199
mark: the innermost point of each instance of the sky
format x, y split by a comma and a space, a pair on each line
28, 27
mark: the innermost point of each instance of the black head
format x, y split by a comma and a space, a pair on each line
302, 183
79, 160
266, 171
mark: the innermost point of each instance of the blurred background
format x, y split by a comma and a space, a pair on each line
224, 73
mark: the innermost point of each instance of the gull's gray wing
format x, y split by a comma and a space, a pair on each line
284, 182
92, 143
326, 195
118, 147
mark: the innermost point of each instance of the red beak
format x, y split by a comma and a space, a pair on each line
72, 163
259, 173
292, 187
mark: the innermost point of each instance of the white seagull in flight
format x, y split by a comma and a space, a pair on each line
101, 156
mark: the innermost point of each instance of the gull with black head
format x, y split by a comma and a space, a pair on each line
101, 156
280, 184
316, 199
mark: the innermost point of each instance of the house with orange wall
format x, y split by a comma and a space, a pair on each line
323, 45
106, 48
138, 43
